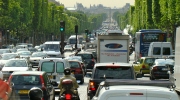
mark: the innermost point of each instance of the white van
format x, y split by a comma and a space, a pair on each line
54, 67
72, 40
160, 49
52, 48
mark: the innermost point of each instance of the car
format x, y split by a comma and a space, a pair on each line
23, 49
15, 65
79, 46
77, 67
54, 67
22, 46
4, 51
171, 57
94, 51
143, 65
25, 54
23, 81
36, 57
6, 56
135, 89
32, 50
88, 58
68, 48
160, 69
78, 58
110, 71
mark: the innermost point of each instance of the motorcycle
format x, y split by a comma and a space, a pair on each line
68, 94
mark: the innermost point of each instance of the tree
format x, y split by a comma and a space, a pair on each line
156, 14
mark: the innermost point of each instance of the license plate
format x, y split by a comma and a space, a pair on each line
164, 69
72, 72
50, 77
23, 91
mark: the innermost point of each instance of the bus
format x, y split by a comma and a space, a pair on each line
144, 37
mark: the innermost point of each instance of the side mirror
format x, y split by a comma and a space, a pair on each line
139, 76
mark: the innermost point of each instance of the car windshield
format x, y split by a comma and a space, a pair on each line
74, 58
52, 47
74, 64
16, 63
24, 53
33, 50
8, 56
60, 67
38, 55
113, 73
48, 67
26, 79
86, 56
149, 60
4, 51
164, 62
68, 46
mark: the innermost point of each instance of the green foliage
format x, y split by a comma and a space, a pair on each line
156, 14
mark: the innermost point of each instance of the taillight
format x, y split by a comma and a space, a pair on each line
38, 69
42, 82
155, 68
9, 79
140, 55
92, 65
91, 86
68, 96
136, 93
143, 66
80, 72
93, 60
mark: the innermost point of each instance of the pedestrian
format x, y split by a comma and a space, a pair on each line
5, 90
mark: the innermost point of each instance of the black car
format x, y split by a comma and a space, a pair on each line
160, 69
23, 81
89, 60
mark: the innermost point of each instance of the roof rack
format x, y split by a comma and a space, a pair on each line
112, 82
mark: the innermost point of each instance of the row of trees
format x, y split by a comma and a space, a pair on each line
151, 14
41, 20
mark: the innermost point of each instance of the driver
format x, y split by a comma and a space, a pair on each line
67, 72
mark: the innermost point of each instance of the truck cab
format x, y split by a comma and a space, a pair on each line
52, 48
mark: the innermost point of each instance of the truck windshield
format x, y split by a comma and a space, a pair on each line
72, 41
113, 73
51, 47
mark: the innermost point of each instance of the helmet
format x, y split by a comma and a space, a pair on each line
1, 75
67, 71
35, 93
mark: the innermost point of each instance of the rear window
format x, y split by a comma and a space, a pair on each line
113, 73
149, 60
166, 51
26, 79
48, 67
86, 56
74, 64
156, 51
60, 67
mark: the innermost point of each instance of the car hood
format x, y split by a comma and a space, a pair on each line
35, 58
14, 68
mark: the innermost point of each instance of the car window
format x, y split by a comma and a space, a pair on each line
60, 67
16, 63
74, 64
149, 60
9, 56
166, 51
164, 62
4, 51
141, 61
26, 79
38, 55
48, 67
113, 73
86, 56
156, 51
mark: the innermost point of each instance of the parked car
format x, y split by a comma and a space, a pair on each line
54, 67
15, 65
89, 59
23, 81
160, 70
143, 65
79, 72
135, 89
110, 71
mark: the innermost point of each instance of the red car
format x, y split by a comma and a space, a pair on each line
79, 72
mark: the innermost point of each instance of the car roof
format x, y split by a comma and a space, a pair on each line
111, 63
74, 61
146, 57
28, 72
52, 42
84, 52
164, 59
9, 53
54, 59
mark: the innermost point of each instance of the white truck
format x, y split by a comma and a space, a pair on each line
177, 62
113, 47
52, 48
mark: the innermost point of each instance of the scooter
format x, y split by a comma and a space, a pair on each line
67, 84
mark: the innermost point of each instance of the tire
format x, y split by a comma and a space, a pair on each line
82, 81
142, 73
151, 78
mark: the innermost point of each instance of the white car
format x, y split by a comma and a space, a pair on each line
36, 57
15, 65
136, 89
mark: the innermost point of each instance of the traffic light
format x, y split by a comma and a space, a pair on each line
76, 29
86, 31
62, 26
89, 33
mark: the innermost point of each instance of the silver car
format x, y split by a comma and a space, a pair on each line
36, 57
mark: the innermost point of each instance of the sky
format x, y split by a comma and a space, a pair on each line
106, 3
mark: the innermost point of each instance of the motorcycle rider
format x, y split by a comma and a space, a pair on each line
67, 72
4, 88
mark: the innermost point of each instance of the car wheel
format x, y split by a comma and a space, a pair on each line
151, 78
142, 73
82, 81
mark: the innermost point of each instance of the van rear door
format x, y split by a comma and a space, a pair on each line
166, 49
